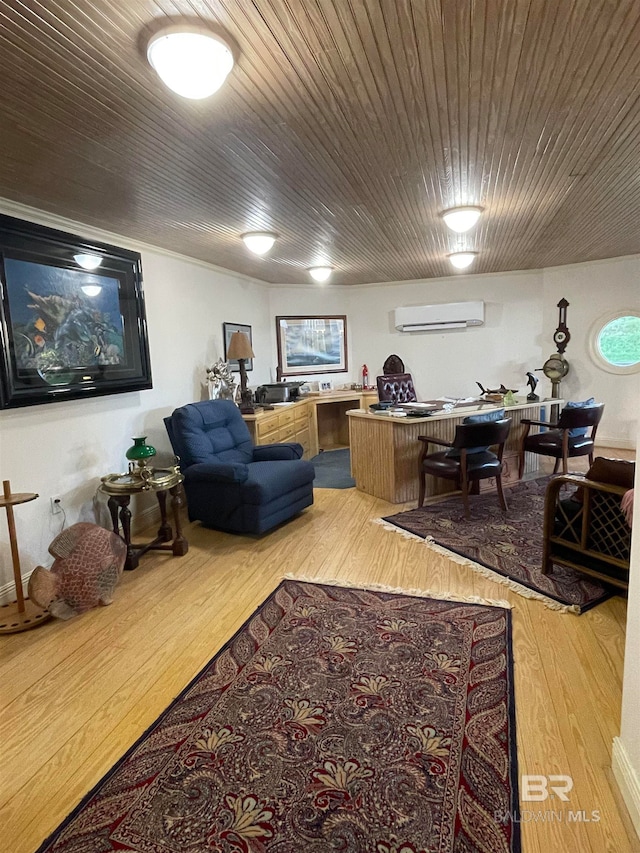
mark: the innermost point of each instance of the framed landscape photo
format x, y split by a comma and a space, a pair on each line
227, 331
72, 317
312, 345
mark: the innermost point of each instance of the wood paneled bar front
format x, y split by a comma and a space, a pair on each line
385, 449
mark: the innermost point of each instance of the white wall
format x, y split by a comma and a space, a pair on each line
593, 291
441, 362
64, 448
521, 316
626, 748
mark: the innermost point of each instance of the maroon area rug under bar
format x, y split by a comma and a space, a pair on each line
508, 545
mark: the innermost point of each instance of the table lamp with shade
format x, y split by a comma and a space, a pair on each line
240, 350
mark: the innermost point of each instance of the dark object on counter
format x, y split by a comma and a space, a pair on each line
500, 390
280, 392
532, 381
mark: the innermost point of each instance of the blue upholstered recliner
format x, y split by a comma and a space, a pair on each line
230, 483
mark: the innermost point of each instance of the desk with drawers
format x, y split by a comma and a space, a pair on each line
316, 422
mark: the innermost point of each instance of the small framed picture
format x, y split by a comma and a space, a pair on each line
327, 385
227, 330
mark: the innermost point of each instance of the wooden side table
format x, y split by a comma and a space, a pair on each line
120, 487
22, 614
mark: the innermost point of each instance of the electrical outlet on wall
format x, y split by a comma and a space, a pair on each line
56, 505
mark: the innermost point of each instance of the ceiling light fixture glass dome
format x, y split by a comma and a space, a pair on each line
91, 289
462, 260
88, 262
259, 242
320, 273
461, 219
192, 61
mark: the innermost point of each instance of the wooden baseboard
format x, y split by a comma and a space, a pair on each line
628, 781
619, 443
8, 591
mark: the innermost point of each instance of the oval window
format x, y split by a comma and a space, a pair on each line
615, 342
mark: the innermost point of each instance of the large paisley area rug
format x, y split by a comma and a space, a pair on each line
336, 719
505, 548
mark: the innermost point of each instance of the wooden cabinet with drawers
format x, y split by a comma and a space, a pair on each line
282, 424
317, 423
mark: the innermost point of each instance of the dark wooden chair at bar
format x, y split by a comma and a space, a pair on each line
468, 458
573, 435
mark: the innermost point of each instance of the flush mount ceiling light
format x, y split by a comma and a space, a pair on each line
462, 260
461, 219
88, 262
320, 273
193, 61
259, 242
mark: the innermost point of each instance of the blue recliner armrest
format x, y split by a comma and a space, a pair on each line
217, 472
272, 452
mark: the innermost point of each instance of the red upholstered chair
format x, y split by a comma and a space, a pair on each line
396, 388
468, 458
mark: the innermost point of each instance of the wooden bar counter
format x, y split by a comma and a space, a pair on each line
385, 449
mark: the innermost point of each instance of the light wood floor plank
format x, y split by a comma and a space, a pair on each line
77, 694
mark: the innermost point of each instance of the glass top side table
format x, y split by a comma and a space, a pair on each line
161, 481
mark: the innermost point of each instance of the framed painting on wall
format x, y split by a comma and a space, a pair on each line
72, 317
312, 345
227, 331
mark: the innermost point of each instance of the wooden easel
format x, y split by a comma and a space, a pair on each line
22, 614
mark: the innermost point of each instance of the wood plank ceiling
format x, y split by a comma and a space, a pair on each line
346, 126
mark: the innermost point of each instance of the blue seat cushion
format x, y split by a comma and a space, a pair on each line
271, 493
267, 481
212, 430
482, 418
579, 404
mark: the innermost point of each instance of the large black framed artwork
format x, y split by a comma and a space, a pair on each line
72, 317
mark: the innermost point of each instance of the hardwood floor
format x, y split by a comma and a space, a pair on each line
75, 695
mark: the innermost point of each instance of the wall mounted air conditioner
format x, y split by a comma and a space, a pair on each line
449, 315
